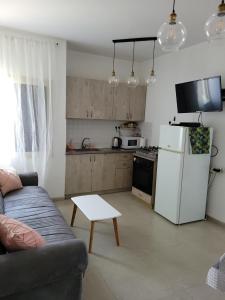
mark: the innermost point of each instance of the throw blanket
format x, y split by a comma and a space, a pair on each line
200, 140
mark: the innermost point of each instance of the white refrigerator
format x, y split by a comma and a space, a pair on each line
182, 177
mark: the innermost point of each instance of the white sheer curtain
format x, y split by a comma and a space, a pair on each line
26, 77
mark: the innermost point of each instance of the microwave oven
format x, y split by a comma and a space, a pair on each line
132, 142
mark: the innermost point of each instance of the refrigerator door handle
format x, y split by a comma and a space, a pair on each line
171, 150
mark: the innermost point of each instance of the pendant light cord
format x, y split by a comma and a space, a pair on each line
133, 58
174, 6
153, 57
114, 55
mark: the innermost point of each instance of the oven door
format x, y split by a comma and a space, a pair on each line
143, 174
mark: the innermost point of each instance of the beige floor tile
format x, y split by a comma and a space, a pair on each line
156, 260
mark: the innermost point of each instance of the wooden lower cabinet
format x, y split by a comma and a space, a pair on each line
88, 173
97, 172
78, 174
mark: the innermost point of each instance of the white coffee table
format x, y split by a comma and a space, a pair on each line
95, 209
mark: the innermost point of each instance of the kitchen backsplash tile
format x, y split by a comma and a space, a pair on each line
99, 131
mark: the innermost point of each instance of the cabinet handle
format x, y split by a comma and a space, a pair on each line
91, 114
130, 116
94, 158
87, 113
90, 158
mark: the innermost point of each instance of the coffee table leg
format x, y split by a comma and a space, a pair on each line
73, 215
116, 231
91, 236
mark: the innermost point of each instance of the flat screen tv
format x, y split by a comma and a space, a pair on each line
202, 95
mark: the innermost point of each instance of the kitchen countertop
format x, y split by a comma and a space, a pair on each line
100, 151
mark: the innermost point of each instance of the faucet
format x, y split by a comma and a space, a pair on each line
83, 145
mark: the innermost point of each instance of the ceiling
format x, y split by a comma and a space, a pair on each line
90, 25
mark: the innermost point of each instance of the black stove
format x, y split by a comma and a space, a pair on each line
150, 152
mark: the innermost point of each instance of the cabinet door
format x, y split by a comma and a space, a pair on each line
123, 178
108, 101
137, 98
109, 172
124, 171
121, 102
78, 98
85, 173
101, 95
72, 169
97, 172
78, 174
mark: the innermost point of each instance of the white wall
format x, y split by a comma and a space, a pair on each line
95, 67
91, 66
100, 132
55, 183
202, 60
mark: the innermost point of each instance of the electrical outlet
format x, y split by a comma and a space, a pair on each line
217, 170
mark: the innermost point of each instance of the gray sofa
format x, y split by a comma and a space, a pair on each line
54, 271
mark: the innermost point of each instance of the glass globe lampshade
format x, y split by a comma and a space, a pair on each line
114, 80
215, 25
132, 81
172, 35
151, 79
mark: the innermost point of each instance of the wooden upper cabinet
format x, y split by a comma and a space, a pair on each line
96, 99
78, 100
121, 102
137, 98
101, 95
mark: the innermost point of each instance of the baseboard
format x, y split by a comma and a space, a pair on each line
100, 192
216, 221
58, 199
143, 196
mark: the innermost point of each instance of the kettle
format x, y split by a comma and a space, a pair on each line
116, 143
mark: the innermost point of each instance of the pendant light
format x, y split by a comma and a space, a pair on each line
132, 80
215, 25
152, 78
114, 80
172, 34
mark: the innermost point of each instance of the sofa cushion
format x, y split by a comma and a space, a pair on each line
16, 235
9, 182
32, 206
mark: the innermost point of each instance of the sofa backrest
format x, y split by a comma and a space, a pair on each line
1, 204
2, 248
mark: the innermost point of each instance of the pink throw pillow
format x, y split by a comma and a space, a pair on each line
15, 235
9, 182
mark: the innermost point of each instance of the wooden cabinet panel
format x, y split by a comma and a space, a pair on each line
108, 101
137, 98
78, 99
101, 95
97, 172
121, 102
109, 171
72, 169
96, 99
85, 174
78, 174
123, 178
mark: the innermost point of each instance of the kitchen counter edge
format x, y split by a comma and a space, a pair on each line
100, 151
